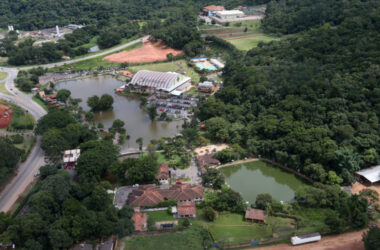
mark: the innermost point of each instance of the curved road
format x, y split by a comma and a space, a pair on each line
27, 169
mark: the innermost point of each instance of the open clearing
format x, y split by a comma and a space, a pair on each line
3, 75
149, 52
179, 66
247, 43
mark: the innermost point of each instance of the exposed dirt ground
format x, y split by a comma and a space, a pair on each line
347, 241
149, 52
357, 187
210, 148
5, 116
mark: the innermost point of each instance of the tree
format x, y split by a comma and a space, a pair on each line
186, 222
214, 178
316, 172
209, 213
118, 125
53, 143
263, 200
105, 102
335, 223
63, 95
93, 102
152, 112
54, 119
371, 239
47, 170
89, 116
139, 141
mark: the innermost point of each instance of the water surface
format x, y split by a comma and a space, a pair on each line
126, 108
259, 177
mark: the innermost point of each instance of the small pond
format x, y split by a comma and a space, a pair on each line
255, 178
126, 108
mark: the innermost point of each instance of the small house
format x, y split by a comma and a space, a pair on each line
186, 210
140, 220
163, 173
255, 215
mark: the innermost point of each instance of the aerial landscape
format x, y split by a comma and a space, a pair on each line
197, 124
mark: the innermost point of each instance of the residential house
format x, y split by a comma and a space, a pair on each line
255, 215
163, 174
186, 209
140, 220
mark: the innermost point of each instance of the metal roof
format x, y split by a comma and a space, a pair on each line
371, 174
160, 80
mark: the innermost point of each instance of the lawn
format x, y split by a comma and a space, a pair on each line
3, 75
3, 89
179, 66
232, 229
21, 119
312, 220
160, 215
3, 60
188, 239
251, 42
40, 102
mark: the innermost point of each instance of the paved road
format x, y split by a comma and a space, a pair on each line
27, 170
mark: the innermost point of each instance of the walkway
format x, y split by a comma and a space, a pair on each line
236, 163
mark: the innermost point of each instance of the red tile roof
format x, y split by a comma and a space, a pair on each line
150, 195
254, 214
213, 8
140, 221
163, 173
186, 208
207, 160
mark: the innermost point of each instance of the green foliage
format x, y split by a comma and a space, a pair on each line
225, 200
152, 112
263, 200
54, 119
209, 213
213, 178
47, 170
17, 139
9, 157
186, 222
63, 95
105, 102
371, 239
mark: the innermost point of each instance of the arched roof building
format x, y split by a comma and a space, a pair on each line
167, 81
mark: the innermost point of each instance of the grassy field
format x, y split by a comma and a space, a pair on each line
41, 103
3, 89
179, 66
232, 229
3, 60
188, 239
160, 215
21, 119
251, 42
312, 220
3, 75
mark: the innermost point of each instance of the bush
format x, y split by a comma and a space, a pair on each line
17, 139
186, 222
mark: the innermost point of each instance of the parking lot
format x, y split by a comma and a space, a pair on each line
175, 107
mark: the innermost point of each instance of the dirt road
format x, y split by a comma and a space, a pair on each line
347, 241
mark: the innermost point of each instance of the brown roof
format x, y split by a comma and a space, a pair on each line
213, 8
254, 214
163, 173
150, 195
207, 160
186, 208
140, 221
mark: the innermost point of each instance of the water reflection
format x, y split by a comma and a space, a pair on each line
128, 109
259, 177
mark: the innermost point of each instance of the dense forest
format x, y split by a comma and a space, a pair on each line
310, 101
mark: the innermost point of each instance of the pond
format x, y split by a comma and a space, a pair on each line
126, 108
258, 177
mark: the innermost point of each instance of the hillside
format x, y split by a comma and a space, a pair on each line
310, 101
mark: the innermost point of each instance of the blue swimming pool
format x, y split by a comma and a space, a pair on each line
201, 66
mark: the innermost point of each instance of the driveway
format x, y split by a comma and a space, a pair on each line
191, 172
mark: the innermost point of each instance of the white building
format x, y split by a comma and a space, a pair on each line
229, 14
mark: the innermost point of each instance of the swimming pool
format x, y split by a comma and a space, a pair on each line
209, 67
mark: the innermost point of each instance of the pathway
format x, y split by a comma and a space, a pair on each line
236, 163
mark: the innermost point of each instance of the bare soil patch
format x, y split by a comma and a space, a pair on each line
149, 52
5, 116
357, 187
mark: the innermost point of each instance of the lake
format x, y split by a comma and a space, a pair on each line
126, 108
258, 177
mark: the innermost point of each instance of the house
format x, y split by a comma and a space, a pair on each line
211, 10
206, 87
371, 175
70, 158
126, 73
140, 220
150, 195
186, 210
207, 160
42, 95
229, 14
163, 173
147, 81
255, 215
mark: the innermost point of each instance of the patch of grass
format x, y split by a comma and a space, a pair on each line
21, 120
160, 215
179, 66
3, 89
312, 220
3, 60
251, 42
3, 75
232, 229
188, 239
40, 102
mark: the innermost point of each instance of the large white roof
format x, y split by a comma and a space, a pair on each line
371, 174
230, 12
160, 80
